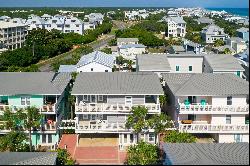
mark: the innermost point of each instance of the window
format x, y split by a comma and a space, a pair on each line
49, 138
190, 68
85, 97
85, 117
228, 119
93, 117
229, 100
43, 138
125, 138
131, 138
128, 100
25, 100
151, 138
77, 25
177, 68
100, 98
191, 117
92, 69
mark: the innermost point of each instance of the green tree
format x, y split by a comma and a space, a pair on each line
14, 141
159, 123
107, 50
177, 137
130, 63
64, 158
120, 61
143, 154
227, 51
112, 42
32, 120
219, 42
163, 100
137, 120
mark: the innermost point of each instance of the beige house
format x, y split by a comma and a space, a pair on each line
209, 103
238, 44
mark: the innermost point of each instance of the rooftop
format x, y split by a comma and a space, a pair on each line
243, 29
67, 68
98, 57
118, 83
149, 62
42, 83
223, 62
206, 153
4, 24
178, 20
127, 40
132, 46
205, 84
28, 158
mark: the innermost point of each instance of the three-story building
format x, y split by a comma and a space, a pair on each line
215, 104
45, 91
104, 101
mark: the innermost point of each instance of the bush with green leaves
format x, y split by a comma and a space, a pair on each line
14, 141
63, 157
143, 154
177, 137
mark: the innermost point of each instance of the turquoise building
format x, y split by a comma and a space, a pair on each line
45, 91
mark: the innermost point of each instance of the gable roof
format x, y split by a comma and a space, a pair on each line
206, 153
178, 20
98, 57
67, 68
28, 158
205, 84
223, 62
127, 40
132, 46
13, 83
117, 83
150, 62
243, 30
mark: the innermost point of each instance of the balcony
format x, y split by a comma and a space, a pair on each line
48, 128
104, 108
213, 128
101, 127
211, 109
45, 109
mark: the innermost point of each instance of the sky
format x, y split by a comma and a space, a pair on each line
126, 3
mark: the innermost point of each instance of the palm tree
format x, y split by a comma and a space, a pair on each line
32, 120
137, 120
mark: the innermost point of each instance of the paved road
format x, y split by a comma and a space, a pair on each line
96, 46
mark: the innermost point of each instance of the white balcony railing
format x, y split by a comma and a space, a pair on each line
112, 108
108, 127
46, 109
211, 109
211, 128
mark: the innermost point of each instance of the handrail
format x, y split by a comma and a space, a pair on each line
213, 108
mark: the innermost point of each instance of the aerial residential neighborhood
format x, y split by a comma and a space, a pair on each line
124, 83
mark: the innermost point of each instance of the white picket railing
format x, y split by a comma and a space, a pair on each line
205, 109
212, 128
45, 109
113, 108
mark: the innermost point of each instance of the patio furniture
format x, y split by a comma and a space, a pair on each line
45, 108
186, 121
187, 103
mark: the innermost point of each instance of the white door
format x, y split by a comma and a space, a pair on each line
128, 100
